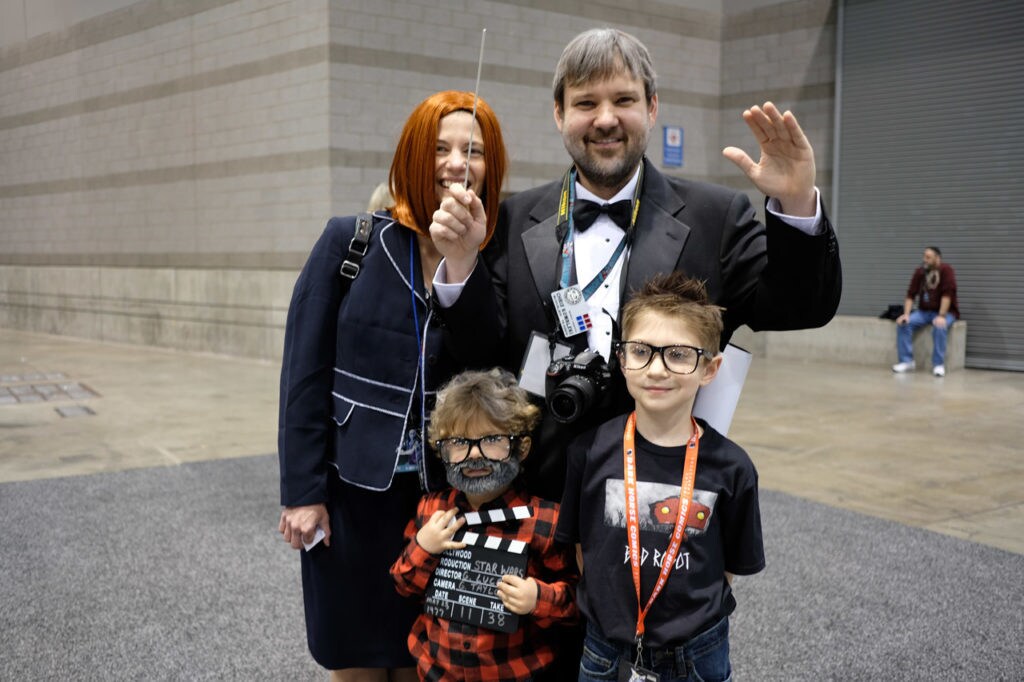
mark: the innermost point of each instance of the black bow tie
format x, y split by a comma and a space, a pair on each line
584, 213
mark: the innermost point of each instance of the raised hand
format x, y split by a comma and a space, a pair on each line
786, 168
458, 229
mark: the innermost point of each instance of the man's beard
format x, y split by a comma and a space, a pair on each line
502, 474
596, 169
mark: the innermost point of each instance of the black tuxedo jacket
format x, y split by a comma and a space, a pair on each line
772, 277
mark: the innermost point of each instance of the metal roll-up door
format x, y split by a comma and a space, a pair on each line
930, 151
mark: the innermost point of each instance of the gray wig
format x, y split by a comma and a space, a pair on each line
601, 53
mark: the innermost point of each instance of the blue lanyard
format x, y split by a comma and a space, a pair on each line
565, 205
421, 352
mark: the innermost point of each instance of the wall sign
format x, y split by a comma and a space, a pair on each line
672, 146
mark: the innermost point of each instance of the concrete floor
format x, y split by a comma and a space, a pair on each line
942, 454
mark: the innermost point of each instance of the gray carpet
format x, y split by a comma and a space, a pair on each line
179, 573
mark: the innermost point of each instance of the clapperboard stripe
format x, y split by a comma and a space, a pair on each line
490, 542
498, 515
494, 516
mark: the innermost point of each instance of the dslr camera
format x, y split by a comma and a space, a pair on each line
574, 384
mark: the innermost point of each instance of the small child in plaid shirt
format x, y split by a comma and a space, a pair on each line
480, 428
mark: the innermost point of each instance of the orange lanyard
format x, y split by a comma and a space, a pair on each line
633, 515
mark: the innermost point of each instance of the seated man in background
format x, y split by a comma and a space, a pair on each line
934, 284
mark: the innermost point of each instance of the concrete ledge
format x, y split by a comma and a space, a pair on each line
853, 339
231, 312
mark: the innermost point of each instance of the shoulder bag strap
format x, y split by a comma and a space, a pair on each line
357, 247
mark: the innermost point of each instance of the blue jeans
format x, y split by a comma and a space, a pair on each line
905, 336
704, 658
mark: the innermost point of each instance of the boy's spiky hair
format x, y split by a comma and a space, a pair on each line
677, 295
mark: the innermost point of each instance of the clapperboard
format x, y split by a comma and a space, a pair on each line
464, 587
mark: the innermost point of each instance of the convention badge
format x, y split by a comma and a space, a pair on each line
629, 672
464, 586
411, 453
538, 356
572, 311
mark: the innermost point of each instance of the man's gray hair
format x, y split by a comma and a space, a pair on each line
602, 53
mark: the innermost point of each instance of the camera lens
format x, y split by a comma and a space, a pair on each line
571, 399
564, 405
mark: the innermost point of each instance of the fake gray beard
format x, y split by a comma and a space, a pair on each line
502, 474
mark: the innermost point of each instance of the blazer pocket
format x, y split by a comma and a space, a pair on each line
365, 443
343, 410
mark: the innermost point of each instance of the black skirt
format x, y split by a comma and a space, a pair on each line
354, 616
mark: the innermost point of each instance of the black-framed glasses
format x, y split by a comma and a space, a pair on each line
495, 447
679, 359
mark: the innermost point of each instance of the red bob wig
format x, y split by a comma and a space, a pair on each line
412, 176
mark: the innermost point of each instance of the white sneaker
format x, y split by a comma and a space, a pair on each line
939, 370
901, 367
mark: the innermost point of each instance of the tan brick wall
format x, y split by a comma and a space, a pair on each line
164, 143
783, 52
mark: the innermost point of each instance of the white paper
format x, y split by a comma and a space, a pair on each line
538, 356
317, 537
716, 402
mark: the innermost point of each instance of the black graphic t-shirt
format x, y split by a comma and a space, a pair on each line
723, 532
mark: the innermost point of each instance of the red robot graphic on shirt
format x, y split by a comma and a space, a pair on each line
664, 512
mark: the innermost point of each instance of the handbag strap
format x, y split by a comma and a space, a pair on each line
357, 247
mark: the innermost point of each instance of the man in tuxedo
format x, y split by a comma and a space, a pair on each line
573, 250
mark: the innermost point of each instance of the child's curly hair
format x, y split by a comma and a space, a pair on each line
493, 395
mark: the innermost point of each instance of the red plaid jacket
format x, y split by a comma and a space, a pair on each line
447, 650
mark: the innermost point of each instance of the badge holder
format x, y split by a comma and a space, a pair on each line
572, 311
411, 453
573, 315
633, 672
539, 354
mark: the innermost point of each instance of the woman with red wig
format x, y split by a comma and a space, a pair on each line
362, 360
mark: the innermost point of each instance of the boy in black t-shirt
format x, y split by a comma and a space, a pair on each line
655, 589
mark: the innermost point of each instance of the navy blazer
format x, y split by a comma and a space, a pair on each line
351, 372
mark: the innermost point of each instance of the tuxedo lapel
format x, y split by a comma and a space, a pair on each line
542, 246
660, 235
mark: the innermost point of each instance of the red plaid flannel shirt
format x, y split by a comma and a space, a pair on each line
447, 650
